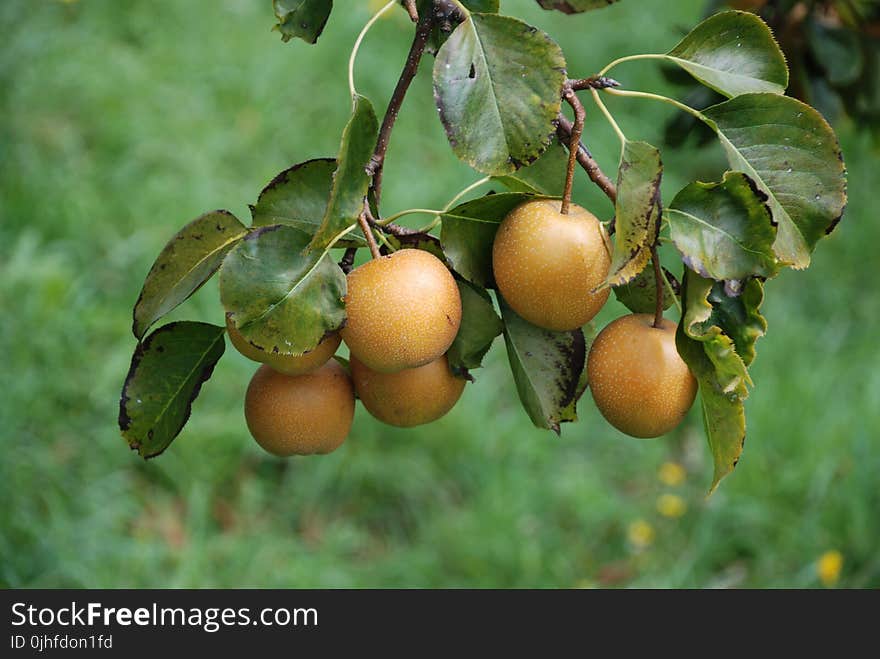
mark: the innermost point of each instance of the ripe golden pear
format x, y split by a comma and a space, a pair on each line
403, 311
287, 364
547, 264
302, 414
410, 397
639, 382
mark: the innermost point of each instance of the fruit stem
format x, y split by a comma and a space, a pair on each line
368, 234
659, 278
576, 132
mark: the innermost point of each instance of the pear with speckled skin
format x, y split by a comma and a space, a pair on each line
639, 382
300, 415
547, 264
410, 397
403, 311
287, 364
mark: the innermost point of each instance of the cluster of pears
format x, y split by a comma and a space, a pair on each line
550, 268
403, 312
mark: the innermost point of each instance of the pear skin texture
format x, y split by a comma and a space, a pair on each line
547, 264
287, 364
639, 382
403, 311
300, 415
410, 397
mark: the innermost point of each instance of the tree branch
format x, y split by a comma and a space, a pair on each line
564, 130
410, 6
420, 41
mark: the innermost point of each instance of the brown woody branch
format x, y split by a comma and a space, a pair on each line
576, 131
593, 82
564, 129
417, 49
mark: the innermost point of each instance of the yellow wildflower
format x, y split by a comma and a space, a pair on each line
671, 505
640, 534
671, 474
828, 567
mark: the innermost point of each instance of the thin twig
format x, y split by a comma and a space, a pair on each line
563, 131
410, 6
368, 232
593, 82
658, 284
420, 41
575, 138
347, 262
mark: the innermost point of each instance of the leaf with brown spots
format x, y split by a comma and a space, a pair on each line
189, 259
637, 211
547, 368
166, 374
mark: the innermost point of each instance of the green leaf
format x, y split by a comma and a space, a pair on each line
733, 53
724, 418
422, 241
640, 294
189, 259
482, 5
574, 6
636, 211
837, 50
298, 198
724, 230
166, 375
544, 176
547, 368
716, 338
793, 156
350, 181
281, 297
479, 327
304, 19
569, 413
468, 232
498, 85
699, 323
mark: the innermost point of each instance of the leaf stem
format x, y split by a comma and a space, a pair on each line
576, 132
657, 97
357, 44
410, 68
409, 211
609, 117
449, 204
629, 58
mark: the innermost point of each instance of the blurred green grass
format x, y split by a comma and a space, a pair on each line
122, 121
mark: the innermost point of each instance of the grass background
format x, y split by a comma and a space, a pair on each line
122, 121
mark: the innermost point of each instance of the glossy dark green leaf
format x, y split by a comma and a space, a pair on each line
636, 211
479, 327
498, 85
724, 230
544, 176
304, 19
739, 316
350, 181
574, 6
281, 297
792, 154
165, 377
491, 6
639, 295
733, 53
298, 198
547, 368
189, 259
469, 230
424, 242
